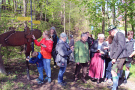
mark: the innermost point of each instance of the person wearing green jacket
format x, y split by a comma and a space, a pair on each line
81, 52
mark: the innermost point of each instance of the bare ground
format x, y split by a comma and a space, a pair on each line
19, 70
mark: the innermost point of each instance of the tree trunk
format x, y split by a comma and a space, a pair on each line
103, 21
4, 4
2, 68
113, 14
69, 16
24, 11
15, 3
125, 21
108, 15
64, 17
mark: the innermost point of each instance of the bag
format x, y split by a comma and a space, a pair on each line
60, 63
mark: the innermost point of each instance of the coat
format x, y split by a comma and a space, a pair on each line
46, 52
81, 52
94, 49
37, 60
119, 46
62, 50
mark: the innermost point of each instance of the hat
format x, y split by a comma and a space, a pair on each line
71, 36
111, 27
52, 28
63, 35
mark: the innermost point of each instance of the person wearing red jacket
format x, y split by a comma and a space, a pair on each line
46, 48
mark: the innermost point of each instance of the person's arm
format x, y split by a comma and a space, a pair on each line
62, 51
33, 60
54, 40
76, 52
94, 47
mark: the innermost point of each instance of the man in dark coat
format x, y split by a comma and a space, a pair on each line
118, 55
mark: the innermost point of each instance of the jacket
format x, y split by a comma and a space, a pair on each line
130, 46
94, 49
119, 46
62, 50
81, 52
54, 38
37, 60
46, 52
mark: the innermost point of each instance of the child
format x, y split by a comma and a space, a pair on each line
37, 58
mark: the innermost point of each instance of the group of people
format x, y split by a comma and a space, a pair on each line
100, 58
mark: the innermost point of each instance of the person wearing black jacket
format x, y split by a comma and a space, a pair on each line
54, 38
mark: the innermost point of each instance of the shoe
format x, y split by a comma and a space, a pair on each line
98, 81
110, 87
46, 79
49, 80
40, 82
125, 81
84, 81
105, 80
75, 79
109, 81
62, 84
37, 79
54, 66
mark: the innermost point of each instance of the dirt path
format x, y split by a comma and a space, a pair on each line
68, 77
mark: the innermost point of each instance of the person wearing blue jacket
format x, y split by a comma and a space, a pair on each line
37, 59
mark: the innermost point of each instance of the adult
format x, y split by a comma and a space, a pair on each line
71, 44
63, 51
90, 40
118, 54
81, 57
46, 48
54, 38
130, 44
97, 65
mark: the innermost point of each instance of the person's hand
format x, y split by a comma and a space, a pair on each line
77, 63
27, 59
113, 61
105, 48
43, 45
130, 56
33, 37
98, 51
72, 48
102, 52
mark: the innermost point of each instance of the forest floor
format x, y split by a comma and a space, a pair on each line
17, 80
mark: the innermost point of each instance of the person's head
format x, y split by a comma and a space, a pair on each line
71, 36
34, 54
84, 37
130, 35
91, 35
101, 38
112, 30
46, 35
88, 34
63, 36
52, 30
109, 39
